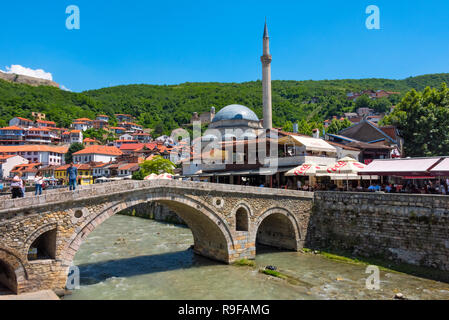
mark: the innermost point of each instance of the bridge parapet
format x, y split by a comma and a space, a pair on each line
10, 206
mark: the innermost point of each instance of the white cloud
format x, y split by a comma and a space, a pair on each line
38, 73
62, 87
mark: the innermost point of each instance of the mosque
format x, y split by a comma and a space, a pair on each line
239, 122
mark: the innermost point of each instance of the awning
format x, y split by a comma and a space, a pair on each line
400, 167
311, 144
441, 169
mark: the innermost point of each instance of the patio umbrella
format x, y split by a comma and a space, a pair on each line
306, 169
151, 177
165, 176
344, 169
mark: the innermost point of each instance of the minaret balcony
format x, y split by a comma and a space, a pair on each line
266, 59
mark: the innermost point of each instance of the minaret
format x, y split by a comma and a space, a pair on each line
266, 80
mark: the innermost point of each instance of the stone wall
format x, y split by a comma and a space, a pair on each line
407, 228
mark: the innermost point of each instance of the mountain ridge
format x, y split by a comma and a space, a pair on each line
170, 106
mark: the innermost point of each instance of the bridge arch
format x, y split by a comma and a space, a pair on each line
277, 227
212, 236
12, 270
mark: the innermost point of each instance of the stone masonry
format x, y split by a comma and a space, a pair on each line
224, 219
405, 228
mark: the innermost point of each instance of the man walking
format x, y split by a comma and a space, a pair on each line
72, 174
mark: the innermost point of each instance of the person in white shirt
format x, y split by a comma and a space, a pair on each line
38, 181
17, 186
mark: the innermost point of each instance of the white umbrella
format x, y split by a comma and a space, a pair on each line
165, 176
306, 169
345, 169
151, 177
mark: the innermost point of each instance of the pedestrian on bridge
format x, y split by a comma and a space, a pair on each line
72, 175
17, 187
38, 181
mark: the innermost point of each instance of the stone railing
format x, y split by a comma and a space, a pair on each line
53, 197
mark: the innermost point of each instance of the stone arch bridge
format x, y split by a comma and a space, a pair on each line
225, 220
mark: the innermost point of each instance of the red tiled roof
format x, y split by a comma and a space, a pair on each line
128, 166
11, 128
131, 146
29, 167
127, 141
79, 166
83, 119
24, 119
39, 129
6, 156
45, 121
106, 150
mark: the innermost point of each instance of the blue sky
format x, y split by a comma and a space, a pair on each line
170, 42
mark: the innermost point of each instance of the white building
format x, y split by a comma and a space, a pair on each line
126, 136
8, 162
44, 154
40, 135
96, 154
73, 136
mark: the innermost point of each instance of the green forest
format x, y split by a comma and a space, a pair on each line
166, 107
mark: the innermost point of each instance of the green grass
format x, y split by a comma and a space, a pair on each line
286, 277
385, 265
273, 273
245, 262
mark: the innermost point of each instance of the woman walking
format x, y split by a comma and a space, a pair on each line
38, 180
17, 186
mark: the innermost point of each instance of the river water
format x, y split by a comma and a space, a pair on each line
133, 258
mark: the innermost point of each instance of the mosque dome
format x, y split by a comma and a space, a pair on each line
235, 112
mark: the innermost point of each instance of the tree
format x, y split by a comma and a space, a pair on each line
422, 119
157, 165
288, 126
74, 147
381, 105
363, 102
337, 125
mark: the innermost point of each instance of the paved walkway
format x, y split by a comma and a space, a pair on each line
40, 295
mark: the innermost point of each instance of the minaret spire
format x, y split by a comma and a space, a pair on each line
266, 80
265, 31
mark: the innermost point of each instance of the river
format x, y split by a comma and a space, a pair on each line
133, 258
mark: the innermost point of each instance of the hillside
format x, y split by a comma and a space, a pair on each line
18, 78
171, 106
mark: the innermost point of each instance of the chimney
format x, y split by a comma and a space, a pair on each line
316, 133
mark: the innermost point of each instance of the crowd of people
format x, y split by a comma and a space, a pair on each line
428, 187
